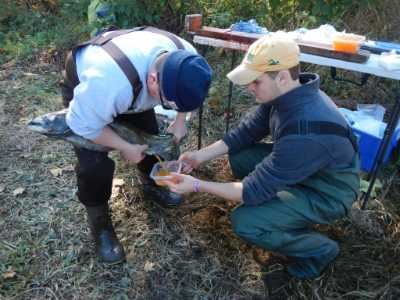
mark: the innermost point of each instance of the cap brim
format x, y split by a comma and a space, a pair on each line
241, 75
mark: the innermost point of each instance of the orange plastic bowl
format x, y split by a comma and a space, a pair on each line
349, 43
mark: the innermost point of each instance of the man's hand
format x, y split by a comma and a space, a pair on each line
130, 152
191, 160
181, 184
133, 154
178, 129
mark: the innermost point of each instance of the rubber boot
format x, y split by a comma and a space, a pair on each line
151, 190
108, 247
277, 280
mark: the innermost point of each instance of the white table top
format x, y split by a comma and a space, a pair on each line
369, 67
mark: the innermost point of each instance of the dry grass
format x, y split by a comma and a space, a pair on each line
45, 251
185, 253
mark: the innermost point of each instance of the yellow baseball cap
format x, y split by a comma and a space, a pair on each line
267, 54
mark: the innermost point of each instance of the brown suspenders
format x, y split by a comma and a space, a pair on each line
105, 41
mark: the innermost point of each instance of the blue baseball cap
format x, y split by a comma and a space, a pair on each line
185, 79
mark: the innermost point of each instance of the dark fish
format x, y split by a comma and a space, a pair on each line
53, 125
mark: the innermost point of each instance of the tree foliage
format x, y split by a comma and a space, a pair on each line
29, 26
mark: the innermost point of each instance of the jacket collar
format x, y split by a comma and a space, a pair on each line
300, 95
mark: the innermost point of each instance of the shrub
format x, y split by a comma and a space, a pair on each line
31, 26
28, 29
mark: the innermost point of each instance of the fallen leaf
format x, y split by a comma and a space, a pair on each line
209, 216
68, 168
214, 103
28, 74
148, 266
2, 188
116, 187
56, 172
9, 274
18, 191
231, 203
203, 216
118, 182
261, 255
9, 64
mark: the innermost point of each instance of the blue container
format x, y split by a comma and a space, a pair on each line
369, 146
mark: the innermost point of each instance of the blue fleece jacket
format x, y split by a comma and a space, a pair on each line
294, 157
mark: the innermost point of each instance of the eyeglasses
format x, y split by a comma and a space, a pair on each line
168, 105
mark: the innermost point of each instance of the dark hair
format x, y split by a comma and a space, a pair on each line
294, 73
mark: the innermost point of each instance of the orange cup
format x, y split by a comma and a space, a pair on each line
349, 43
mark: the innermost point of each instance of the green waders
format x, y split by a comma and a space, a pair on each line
283, 224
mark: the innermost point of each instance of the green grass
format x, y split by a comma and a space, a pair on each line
25, 33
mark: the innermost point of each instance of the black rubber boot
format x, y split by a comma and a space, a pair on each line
277, 281
151, 190
108, 247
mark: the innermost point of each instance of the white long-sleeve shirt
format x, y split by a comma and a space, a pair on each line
104, 91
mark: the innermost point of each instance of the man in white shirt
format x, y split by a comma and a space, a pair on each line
98, 92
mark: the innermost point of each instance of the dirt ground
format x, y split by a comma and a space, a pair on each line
184, 253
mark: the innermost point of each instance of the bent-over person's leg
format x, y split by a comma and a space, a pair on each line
94, 172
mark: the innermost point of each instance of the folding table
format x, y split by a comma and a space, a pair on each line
369, 67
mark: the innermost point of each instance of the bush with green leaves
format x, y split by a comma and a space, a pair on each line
25, 31
28, 29
167, 14
282, 14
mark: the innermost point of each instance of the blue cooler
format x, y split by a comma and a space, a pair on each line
369, 146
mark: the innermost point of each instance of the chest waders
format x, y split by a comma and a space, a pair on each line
95, 170
283, 224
